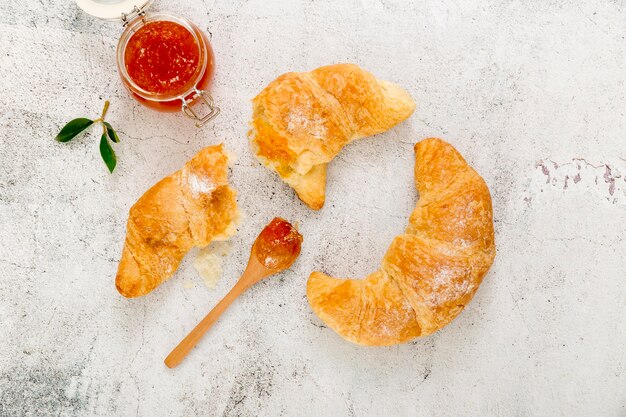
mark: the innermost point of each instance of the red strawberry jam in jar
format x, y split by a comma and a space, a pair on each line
165, 61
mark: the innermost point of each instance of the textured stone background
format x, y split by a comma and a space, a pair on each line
532, 93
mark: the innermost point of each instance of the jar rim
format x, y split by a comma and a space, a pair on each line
132, 27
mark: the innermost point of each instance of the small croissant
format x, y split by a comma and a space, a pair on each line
189, 208
302, 120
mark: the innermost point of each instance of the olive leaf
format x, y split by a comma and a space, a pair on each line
107, 153
77, 126
73, 128
112, 134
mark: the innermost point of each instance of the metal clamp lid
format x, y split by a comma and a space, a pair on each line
114, 10
200, 97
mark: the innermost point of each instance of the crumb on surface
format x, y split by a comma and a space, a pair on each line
209, 260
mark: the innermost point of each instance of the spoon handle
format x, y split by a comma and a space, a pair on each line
189, 342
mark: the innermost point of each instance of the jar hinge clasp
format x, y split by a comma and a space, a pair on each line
206, 98
137, 11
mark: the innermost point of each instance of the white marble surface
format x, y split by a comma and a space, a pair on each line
532, 93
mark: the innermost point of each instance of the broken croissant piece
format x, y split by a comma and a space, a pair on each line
301, 121
429, 273
189, 208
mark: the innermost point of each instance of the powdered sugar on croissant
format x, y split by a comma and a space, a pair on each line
302, 120
429, 273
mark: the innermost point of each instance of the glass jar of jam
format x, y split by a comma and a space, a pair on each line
165, 61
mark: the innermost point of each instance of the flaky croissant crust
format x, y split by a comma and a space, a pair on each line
429, 273
302, 120
189, 208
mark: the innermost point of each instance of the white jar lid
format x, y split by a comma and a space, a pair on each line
113, 9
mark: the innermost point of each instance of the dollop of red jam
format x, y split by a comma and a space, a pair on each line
162, 57
278, 245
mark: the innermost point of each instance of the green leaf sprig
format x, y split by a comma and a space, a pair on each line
77, 126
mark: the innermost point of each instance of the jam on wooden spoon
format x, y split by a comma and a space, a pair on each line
274, 250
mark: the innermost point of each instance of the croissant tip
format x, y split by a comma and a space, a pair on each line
313, 202
431, 139
129, 288
121, 290
316, 205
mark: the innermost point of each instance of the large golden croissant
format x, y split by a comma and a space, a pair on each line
430, 272
302, 120
189, 208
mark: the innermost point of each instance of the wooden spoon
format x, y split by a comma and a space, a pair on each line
274, 250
